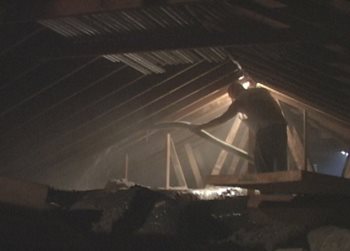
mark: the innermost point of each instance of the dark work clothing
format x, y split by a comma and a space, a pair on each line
271, 149
265, 119
259, 107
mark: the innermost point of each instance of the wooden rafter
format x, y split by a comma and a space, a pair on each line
194, 166
177, 166
173, 159
234, 168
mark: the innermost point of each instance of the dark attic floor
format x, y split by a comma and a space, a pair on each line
132, 217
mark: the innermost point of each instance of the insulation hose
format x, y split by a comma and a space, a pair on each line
206, 135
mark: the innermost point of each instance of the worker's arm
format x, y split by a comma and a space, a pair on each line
227, 115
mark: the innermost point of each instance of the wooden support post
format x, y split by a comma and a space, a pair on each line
251, 146
58, 8
167, 173
295, 145
177, 166
243, 141
305, 166
194, 166
346, 170
223, 154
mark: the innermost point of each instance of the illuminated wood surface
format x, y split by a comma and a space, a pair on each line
295, 181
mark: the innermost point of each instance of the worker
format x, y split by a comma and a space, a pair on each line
264, 118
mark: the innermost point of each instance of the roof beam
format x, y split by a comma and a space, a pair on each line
165, 41
59, 8
29, 11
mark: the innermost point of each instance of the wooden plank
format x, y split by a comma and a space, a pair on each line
23, 193
194, 166
346, 172
223, 153
251, 179
168, 152
307, 164
26, 11
305, 139
177, 166
241, 142
251, 149
295, 181
59, 8
296, 148
205, 135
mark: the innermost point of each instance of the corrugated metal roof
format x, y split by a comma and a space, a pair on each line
152, 62
212, 16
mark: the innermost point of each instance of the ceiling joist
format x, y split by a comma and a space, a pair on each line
19, 11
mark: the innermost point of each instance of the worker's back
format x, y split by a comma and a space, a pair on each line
260, 108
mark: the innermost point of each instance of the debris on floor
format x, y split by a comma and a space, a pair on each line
126, 216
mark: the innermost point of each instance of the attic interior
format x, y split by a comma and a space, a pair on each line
83, 84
